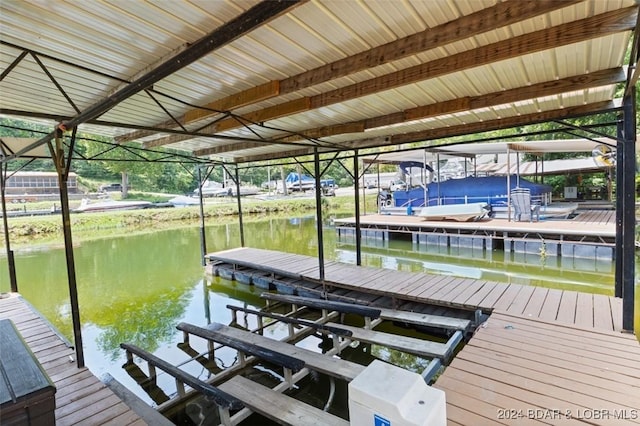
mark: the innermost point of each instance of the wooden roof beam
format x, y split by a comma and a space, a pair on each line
561, 35
580, 82
277, 111
502, 123
498, 16
547, 88
463, 129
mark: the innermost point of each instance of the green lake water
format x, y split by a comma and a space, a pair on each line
136, 288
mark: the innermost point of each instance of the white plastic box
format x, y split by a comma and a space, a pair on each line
386, 395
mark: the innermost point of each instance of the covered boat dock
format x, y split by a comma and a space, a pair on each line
239, 84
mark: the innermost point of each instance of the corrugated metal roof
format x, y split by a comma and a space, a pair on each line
393, 71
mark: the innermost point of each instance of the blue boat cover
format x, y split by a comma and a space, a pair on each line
489, 189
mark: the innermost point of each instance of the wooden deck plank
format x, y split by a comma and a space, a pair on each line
374, 279
528, 338
497, 344
412, 345
602, 312
562, 396
517, 338
600, 338
435, 287
335, 367
584, 310
80, 397
464, 417
522, 300
409, 287
554, 367
569, 363
424, 319
434, 282
579, 382
508, 297
105, 410
450, 292
567, 308
554, 227
463, 395
491, 389
382, 282
551, 305
126, 418
460, 298
534, 306
276, 406
616, 313
489, 301
407, 281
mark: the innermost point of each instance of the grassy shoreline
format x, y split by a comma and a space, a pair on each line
37, 230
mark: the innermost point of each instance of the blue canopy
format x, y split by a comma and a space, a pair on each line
489, 189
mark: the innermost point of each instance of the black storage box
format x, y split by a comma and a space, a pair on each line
27, 395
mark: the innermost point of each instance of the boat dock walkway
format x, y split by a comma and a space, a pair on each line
569, 307
81, 398
591, 234
519, 370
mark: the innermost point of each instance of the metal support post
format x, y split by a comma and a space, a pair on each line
356, 191
10, 259
57, 153
619, 256
316, 163
203, 241
628, 218
239, 207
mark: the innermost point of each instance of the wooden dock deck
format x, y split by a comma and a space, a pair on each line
519, 370
543, 356
81, 399
599, 223
568, 307
591, 234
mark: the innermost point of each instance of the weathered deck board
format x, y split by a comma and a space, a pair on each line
590, 310
534, 306
521, 300
80, 397
335, 367
476, 287
601, 217
412, 345
278, 407
459, 393
549, 310
541, 371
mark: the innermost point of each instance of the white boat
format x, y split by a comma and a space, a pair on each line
99, 206
549, 211
182, 201
457, 212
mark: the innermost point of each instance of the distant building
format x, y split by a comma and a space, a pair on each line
21, 183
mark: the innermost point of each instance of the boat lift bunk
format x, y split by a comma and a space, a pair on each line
227, 387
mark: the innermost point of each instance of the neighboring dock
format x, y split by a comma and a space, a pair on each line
591, 234
81, 399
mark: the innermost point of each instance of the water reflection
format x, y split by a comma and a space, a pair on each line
136, 289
